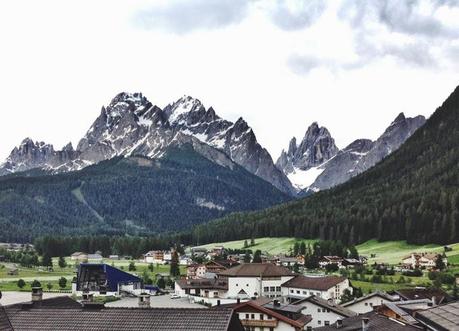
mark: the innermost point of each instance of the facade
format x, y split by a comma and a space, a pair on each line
323, 312
325, 287
156, 257
252, 280
422, 260
204, 288
368, 302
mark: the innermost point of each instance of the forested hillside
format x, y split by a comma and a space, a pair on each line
134, 195
413, 194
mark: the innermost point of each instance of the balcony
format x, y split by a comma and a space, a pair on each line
260, 323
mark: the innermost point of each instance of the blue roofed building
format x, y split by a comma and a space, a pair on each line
103, 279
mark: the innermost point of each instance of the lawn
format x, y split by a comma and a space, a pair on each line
268, 245
388, 252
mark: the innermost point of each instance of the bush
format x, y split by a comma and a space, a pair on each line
413, 273
21, 283
35, 283
62, 282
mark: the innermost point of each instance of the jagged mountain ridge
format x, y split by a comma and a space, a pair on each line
132, 125
328, 166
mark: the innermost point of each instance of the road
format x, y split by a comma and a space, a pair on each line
10, 298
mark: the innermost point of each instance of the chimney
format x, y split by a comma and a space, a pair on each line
365, 323
276, 303
144, 300
37, 294
87, 297
339, 324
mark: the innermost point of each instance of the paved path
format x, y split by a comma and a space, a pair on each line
9, 298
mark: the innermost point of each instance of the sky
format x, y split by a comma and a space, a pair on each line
352, 66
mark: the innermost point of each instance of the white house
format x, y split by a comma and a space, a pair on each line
158, 257
323, 312
204, 288
254, 316
326, 260
422, 260
251, 280
367, 303
325, 287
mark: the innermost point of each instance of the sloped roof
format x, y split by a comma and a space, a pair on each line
56, 302
117, 319
4, 321
376, 322
424, 293
340, 310
445, 317
300, 323
206, 283
374, 294
257, 270
314, 283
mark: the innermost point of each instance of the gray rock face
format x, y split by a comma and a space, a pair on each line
132, 125
362, 154
316, 148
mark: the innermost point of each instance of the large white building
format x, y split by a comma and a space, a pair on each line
325, 287
252, 280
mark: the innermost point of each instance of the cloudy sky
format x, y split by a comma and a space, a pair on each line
350, 65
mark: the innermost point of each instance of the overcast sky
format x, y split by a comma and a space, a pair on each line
352, 66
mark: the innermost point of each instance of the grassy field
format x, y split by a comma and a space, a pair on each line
269, 245
388, 252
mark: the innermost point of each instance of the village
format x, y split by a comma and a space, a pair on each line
264, 291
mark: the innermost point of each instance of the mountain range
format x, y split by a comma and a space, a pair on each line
132, 125
412, 194
316, 163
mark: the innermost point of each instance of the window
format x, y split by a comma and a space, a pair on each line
297, 292
327, 322
309, 328
371, 304
270, 317
246, 316
319, 322
318, 310
253, 316
273, 288
292, 291
278, 288
266, 288
271, 329
262, 317
247, 285
366, 303
304, 292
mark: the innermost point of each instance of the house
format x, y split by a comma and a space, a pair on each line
444, 317
65, 314
351, 263
154, 257
369, 321
287, 261
13, 271
204, 288
404, 311
95, 257
103, 279
79, 256
185, 260
114, 257
437, 295
251, 280
198, 251
368, 302
322, 312
211, 267
325, 287
422, 260
256, 316
327, 260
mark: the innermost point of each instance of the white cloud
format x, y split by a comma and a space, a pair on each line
279, 67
